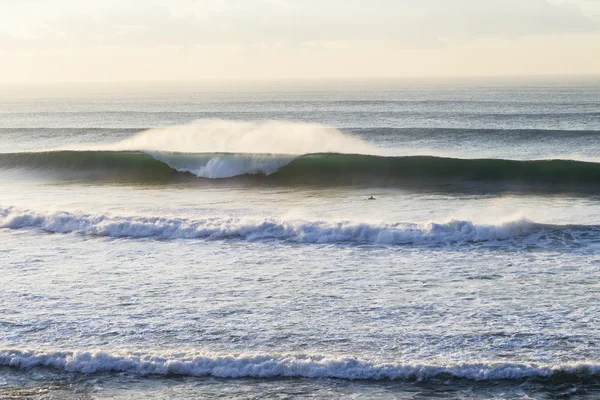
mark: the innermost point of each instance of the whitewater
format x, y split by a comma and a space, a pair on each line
455, 232
266, 366
196, 245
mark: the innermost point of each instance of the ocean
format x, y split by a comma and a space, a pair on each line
202, 244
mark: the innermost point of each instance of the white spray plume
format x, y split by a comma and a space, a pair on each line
222, 136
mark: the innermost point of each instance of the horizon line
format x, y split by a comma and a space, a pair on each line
361, 79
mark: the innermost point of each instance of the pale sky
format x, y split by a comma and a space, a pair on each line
50, 41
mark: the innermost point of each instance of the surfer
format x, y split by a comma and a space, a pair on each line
371, 198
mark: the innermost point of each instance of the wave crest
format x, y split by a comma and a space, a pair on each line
291, 365
455, 232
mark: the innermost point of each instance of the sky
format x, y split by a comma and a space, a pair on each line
53, 41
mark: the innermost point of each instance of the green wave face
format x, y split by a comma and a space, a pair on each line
358, 168
119, 166
312, 169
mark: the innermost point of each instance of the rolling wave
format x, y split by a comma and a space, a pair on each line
151, 165
321, 168
519, 233
287, 365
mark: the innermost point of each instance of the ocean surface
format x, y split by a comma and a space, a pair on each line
202, 244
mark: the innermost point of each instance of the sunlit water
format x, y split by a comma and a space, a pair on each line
263, 287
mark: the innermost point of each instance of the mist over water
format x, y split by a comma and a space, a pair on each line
222, 136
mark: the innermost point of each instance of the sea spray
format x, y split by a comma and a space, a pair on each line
223, 136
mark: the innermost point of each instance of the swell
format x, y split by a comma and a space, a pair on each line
520, 233
410, 112
429, 168
496, 134
289, 366
125, 165
323, 168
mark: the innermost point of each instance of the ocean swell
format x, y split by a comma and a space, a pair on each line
319, 169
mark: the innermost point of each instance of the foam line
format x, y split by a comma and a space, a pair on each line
280, 365
300, 231
455, 232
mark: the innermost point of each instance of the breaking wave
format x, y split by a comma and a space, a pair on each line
282, 365
455, 232
321, 168
289, 153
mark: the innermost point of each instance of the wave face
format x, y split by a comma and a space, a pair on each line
455, 232
322, 168
428, 168
292, 366
146, 167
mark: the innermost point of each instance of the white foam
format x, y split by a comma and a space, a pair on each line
300, 231
276, 365
223, 165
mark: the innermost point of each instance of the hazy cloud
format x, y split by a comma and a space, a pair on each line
64, 23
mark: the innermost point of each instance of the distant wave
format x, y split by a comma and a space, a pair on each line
291, 366
322, 168
414, 133
456, 232
499, 135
